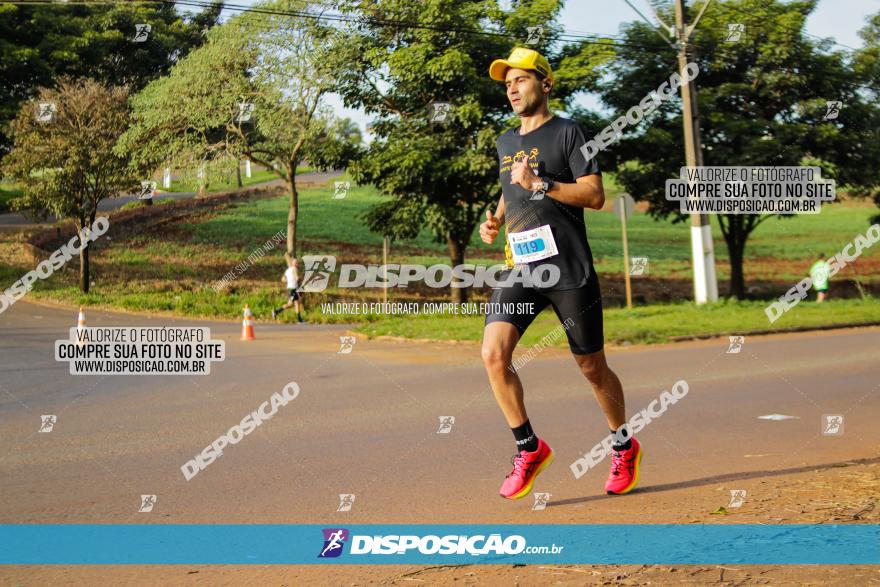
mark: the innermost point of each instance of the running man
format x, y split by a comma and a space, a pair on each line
334, 542
546, 185
819, 273
291, 276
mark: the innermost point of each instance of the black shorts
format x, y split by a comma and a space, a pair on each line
579, 311
292, 295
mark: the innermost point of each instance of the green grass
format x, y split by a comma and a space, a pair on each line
222, 184
323, 219
649, 324
324, 223
142, 203
177, 300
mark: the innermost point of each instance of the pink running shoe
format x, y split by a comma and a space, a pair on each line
625, 465
526, 466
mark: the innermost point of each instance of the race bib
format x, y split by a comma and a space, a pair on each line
532, 245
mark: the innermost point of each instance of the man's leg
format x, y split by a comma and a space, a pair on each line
580, 311
626, 453
499, 340
500, 336
280, 309
606, 387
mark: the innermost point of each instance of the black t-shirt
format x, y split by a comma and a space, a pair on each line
554, 152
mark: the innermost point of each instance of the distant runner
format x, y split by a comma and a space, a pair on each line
291, 277
546, 185
819, 273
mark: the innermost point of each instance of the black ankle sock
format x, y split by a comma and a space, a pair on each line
525, 437
626, 445
279, 310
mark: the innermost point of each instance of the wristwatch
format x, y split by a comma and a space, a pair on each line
546, 184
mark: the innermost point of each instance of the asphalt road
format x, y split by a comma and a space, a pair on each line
366, 423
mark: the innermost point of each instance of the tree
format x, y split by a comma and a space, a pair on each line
762, 101
866, 63
67, 164
254, 91
39, 43
441, 175
867, 60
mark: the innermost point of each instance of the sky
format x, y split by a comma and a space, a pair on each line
837, 19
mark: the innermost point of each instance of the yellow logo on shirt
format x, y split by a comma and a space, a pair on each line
532, 157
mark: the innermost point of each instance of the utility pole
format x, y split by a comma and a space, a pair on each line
385, 246
703, 253
623, 208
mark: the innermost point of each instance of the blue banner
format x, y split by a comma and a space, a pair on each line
243, 544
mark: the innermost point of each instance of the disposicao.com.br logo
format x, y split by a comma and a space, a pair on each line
320, 268
432, 544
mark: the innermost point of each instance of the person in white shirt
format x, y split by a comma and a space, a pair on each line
291, 277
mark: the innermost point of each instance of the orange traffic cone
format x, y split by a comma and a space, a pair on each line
247, 326
80, 325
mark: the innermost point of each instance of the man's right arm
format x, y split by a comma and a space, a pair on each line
499, 211
490, 227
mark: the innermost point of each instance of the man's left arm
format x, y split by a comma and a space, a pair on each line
587, 192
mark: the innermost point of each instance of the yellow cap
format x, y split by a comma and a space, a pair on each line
521, 58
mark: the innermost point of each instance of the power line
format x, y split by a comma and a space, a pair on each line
565, 36
731, 8
573, 36
652, 25
590, 39
587, 38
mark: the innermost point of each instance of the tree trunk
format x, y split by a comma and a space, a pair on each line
737, 279
84, 268
456, 256
736, 245
238, 174
292, 212
85, 278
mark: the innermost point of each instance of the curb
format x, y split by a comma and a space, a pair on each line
844, 325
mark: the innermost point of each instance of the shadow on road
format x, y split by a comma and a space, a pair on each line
720, 479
